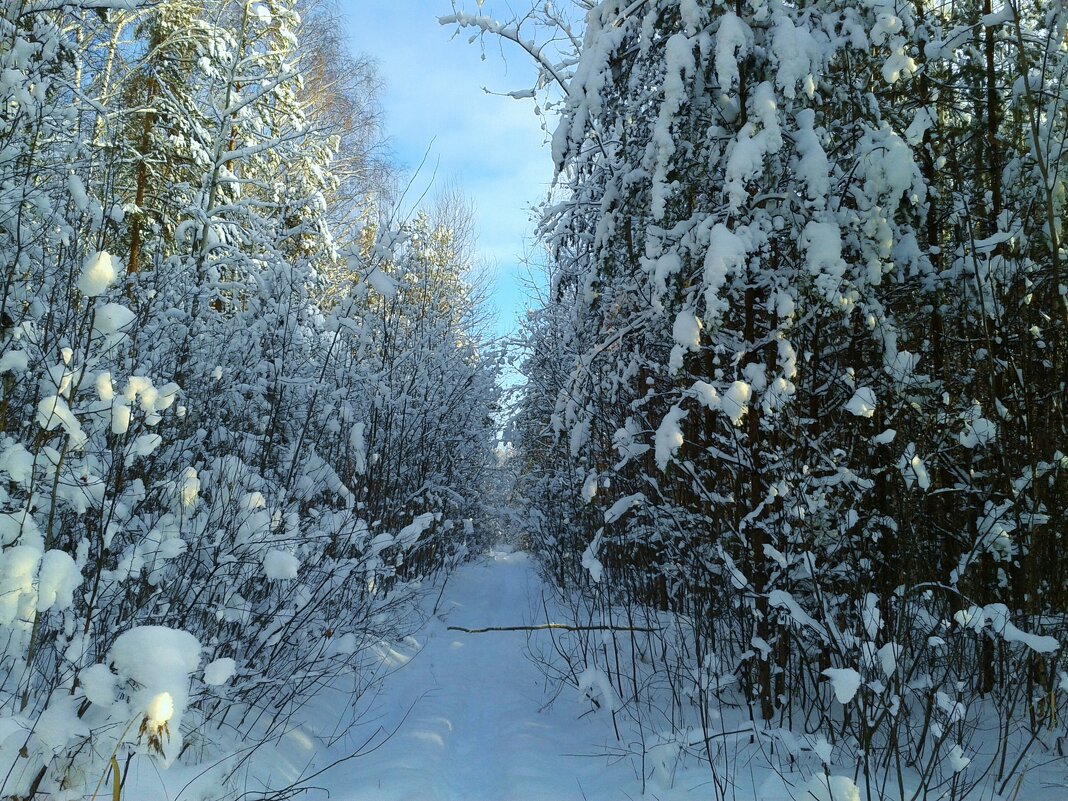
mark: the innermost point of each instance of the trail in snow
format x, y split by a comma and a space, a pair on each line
472, 718
470, 721
477, 728
469, 715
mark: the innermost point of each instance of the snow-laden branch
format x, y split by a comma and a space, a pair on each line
511, 32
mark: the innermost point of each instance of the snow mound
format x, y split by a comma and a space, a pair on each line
832, 788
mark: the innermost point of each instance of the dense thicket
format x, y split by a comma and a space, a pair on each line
797, 394
243, 407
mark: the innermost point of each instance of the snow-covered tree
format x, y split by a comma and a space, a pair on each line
777, 375
187, 550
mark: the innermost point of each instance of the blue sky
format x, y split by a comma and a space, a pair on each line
491, 147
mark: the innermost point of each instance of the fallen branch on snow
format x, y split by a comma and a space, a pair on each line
564, 626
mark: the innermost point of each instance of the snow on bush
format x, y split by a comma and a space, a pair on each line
207, 454
280, 566
862, 404
156, 663
844, 681
220, 671
57, 580
97, 274
832, 788
112, 318
99, 685
669, 437
735, 401
816, 229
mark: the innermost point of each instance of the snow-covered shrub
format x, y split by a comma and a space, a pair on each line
203, 516
793, 382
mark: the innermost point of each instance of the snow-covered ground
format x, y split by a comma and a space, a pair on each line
470, 717
460, 716
477, 727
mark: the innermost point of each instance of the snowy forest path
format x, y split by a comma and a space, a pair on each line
476, 726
